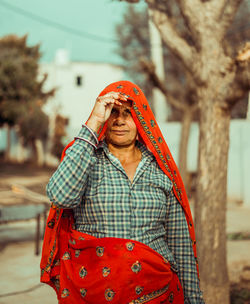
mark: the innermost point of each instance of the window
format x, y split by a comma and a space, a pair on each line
78, 81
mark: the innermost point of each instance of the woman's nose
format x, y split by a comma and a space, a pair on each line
119, 120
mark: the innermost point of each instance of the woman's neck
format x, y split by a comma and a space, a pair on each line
125, 153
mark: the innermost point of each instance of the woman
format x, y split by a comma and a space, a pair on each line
120, 228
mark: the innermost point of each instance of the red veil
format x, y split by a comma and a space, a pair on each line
151, 136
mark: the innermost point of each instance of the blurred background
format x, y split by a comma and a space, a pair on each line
55, 58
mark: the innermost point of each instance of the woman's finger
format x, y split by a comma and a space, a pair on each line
115, 95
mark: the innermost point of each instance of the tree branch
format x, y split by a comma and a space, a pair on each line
194, 107
172, 38
241, 84
218, 8
227, 13
190, 11
150, 69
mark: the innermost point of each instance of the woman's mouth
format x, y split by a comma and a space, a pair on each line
119, 132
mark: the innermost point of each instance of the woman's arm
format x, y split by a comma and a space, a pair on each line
69, 181
180, 244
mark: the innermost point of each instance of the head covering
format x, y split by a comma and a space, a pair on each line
150, 135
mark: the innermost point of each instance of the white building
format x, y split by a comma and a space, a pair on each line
78, 85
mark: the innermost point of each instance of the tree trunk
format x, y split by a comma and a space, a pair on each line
8, 143
183, 146
21, 150
34, 155
40, 152
210, 207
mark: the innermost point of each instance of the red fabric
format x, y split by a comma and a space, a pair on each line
96, 270
100, 270
58, 229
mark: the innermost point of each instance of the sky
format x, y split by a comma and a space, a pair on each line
86, 28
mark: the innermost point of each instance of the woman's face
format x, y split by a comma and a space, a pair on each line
121, 129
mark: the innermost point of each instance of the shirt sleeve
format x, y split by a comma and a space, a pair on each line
68, 183
180, 244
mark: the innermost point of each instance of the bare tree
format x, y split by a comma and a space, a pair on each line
184, 100
221, 79
134, 48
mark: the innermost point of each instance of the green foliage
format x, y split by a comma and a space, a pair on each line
34, 124
19, 85
57, 147
59, 132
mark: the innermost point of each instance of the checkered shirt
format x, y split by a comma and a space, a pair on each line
92, 182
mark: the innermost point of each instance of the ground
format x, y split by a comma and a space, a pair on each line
20, 266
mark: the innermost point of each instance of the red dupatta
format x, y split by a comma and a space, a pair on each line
151, 136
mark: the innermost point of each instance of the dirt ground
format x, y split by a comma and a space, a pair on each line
20, 266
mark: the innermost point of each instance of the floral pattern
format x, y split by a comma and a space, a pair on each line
105, 271
130, 246
77, 253
99, 251
171, 297
83, 292
136, 267
72, 242
65, 293
136, 91
66, 256
83, 272
109, 294
138, 289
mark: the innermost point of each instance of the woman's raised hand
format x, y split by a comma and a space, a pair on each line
103, 107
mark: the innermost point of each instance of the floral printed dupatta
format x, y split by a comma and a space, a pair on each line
59, 223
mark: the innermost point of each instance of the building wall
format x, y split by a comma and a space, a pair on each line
72, 100
238, 158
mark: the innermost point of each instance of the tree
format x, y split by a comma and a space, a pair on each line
133, 38
20, 89
221, 79
134, 48
59, 132
33, 126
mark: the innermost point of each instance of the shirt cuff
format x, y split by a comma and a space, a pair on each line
92, 132
87, 135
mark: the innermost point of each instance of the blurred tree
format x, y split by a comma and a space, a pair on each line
33, 125
134, 47
21, 93
221, 77
59, 132
133, 38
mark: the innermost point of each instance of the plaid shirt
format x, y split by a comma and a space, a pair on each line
92, 182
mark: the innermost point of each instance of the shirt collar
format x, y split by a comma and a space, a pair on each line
144, 150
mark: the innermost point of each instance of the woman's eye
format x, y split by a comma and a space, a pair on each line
128, 111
